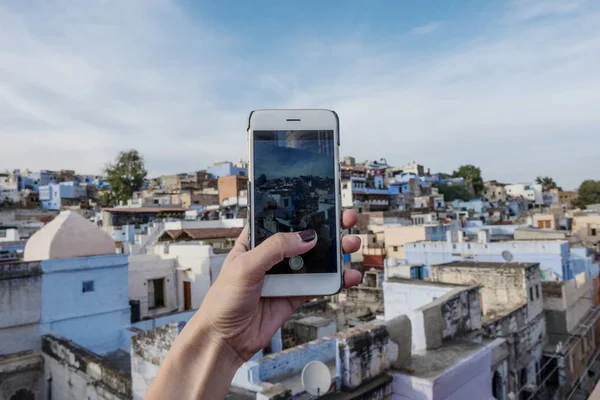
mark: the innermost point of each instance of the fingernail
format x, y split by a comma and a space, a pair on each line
308, 235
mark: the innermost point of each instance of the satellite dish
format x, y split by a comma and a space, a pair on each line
316, 378
507, 256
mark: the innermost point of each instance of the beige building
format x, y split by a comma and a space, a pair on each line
587, 228
396, 237
544, 221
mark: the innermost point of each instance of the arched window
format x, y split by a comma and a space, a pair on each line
23, 394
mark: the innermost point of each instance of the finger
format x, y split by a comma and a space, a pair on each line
349, 218
350, 244
281, 309
278, 247
240, 246
352, 278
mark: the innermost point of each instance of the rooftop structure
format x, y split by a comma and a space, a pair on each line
69, 235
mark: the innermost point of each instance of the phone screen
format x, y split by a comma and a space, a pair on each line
294, 190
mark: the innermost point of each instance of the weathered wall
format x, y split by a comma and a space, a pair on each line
313, 327
454, 314
76, 373
19, 306
364, 353
142, 268
148, 350
566, 303
22, 371
503, 288
404, 297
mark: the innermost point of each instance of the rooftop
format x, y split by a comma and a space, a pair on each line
203, 233
434, 363
407, 281
143, 210
69, 235
476, 264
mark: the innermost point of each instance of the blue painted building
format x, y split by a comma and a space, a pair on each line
52, 195
84, 283
226, 168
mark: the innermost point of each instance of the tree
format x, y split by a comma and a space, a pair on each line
126, 176
454, 192
472, 175
546, 182
588, 193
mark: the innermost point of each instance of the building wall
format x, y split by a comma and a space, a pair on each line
503, 287
20, 310
566, 304
405, 299
79, 374
544, 221
143, 268
552, 255
230, 186
148, 351
585, 227
397, 236
94, 319
196, 263
225, 169
469, 379
22, 373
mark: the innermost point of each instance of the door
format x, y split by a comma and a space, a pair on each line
187, 296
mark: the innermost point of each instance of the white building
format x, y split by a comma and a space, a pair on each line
553, 255
533, 193
9, 190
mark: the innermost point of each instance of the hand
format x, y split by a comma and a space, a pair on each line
236, 315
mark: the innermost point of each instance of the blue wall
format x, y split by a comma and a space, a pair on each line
226, 169
93, 319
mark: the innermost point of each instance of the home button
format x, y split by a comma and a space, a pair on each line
296, 263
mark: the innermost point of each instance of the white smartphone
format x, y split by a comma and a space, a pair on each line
294, 185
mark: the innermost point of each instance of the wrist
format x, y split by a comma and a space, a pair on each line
200, 362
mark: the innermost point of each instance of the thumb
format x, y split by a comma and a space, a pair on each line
278, 247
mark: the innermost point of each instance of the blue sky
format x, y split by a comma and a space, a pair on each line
511, 86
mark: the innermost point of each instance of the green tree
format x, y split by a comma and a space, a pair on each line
472, 175
126, 176
546, 182
588, 193
454, 192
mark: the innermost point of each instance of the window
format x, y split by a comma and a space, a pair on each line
345, 186
87, 286
156, 293
374, 240
531, 293
2, 233
593, 232
395, 248
537, 291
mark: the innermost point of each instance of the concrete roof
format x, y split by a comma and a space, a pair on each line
69, 235
476, 264
431, 364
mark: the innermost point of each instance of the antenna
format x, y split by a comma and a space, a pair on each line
507, 256
316, 378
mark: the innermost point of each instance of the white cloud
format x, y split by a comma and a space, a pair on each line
425, 29
82, 81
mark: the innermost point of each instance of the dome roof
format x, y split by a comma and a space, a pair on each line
69, 235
